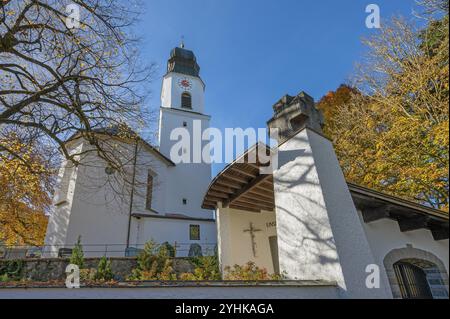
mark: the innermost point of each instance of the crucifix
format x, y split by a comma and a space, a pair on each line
252, 230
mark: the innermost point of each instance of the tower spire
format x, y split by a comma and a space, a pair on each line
182, 42
183, 61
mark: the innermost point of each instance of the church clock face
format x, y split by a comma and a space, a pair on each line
185, 84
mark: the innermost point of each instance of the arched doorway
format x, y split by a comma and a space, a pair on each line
412, 281
416, 274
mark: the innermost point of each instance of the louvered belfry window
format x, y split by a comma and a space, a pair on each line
186, 101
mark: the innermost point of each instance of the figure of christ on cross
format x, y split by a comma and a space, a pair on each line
252, 230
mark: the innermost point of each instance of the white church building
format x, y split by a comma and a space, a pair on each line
302, 220
166, 197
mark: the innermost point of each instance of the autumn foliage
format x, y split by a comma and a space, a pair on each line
391, 127
24, 195
57, 81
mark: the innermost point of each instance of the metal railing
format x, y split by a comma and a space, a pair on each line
98, 250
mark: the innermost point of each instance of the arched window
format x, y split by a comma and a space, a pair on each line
415, 273
186, 101
413, 281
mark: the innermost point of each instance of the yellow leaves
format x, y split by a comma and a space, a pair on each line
83, 26
440, 133
403, 154
397, 139
24, 199
22, 227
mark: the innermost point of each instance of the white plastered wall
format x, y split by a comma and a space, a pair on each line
190, 180
385, 236
235, 245
319, 233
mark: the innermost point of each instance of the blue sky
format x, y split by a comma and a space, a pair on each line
252, 52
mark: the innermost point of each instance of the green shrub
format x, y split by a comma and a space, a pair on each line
77, 257
88, 274
206, 269
153, 263
249, 272
167, 250
104, 271
11, 270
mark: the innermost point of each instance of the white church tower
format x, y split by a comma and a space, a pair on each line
182, 107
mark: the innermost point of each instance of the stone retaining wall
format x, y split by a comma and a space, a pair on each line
184, 290
52, 269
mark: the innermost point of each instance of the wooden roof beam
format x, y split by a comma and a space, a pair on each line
411, 224
235, 178
228, 184
247, 188
254, 165
266, 188
440, 233
262, 194
268, 182
257, 198
218, 194
246, 208
373, 214
227, 190
243, 172
265, 206
251, 207
210, 198
209, 203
